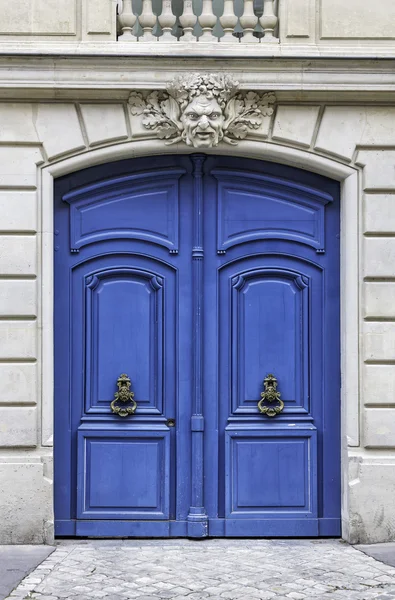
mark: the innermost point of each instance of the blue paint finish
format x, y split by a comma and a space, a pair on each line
125, 473
271, 471
197, 517
197, 277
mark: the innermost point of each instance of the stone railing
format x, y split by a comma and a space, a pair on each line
224, 21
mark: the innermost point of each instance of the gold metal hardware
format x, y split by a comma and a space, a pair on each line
123, 395
270, 394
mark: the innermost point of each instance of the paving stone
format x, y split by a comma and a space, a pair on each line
212, 569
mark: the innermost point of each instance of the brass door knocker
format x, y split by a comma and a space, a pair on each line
270, 395
123, 396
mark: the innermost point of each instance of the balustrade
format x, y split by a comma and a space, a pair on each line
224, 21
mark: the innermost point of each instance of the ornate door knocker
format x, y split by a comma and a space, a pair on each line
270, 395
124, 403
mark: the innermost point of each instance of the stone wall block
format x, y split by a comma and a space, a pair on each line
18, 426
379, 300
357, 20
16, 123
295, 124
371, 498
297, 20
139, 132
104, 122
99, 19
379, 129
379, 169
38, 18
18, 298
378, 384
18, 340
18, 166
18, 211
379, 428
26, 505
18, 255
59, 129
379, 213
18, 383
340, 129
379, 257
379, 341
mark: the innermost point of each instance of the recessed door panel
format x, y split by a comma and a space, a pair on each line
123, 475
271, 472
139, 206
270, 330
124, 329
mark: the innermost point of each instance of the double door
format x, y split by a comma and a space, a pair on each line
196, 350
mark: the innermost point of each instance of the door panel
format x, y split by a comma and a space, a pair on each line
252, 206
271, 472
123, 474
137, 206
124, 324
270, 330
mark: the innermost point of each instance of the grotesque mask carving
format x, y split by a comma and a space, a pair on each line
202, 110
203, 123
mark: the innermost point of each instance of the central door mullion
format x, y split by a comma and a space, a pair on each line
197, 517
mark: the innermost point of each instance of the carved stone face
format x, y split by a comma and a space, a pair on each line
203, 122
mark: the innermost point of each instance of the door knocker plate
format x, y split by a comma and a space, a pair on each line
269, 396
124, 403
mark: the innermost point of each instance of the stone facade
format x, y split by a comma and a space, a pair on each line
64, 106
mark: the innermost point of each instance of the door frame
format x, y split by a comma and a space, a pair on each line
349, 269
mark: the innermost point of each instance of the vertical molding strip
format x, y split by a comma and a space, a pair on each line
197, 517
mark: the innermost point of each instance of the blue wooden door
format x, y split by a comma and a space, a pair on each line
196, 278
272, 266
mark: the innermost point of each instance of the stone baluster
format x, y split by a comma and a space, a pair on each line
147, 20
207, 20
228, 21
248, 21
166, 20
126, 20
268, 22
188, 20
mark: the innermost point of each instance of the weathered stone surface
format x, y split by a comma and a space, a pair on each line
356, 19
378, 384
379, 426
18, 255
104, 122
18, 298
18, 211
295, 124
213, 569
18, 426
379, 341
16, 123
379, 299
18, 383
379, 213
18, 339
29, 490
39, 17
18, 166
59, 129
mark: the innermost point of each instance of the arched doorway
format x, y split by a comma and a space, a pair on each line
197, 276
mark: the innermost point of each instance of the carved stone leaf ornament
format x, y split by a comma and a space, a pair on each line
202, 110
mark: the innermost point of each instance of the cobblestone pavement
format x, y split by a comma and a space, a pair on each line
214, 569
